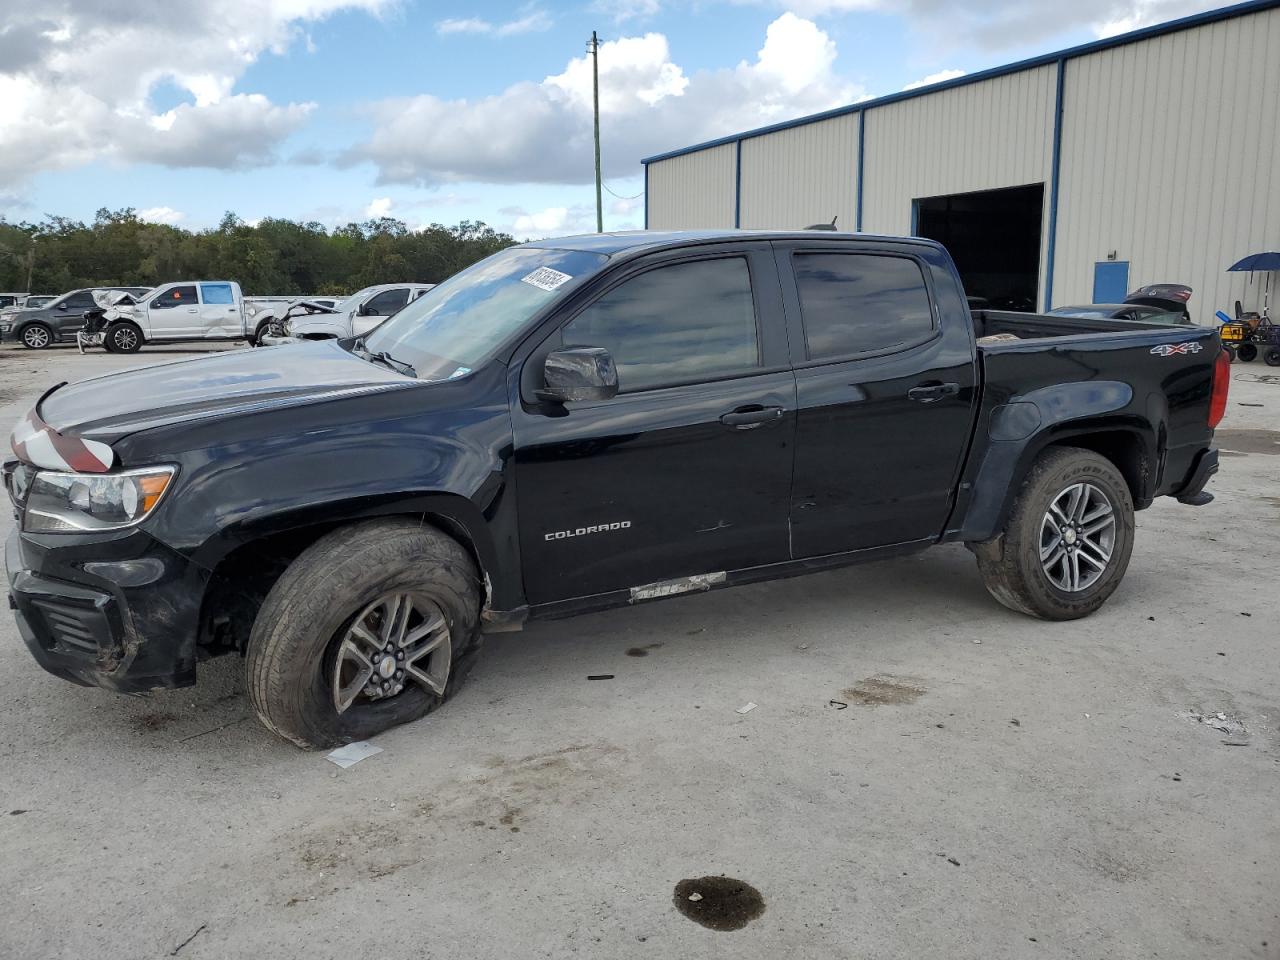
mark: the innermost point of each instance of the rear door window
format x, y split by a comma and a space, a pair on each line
682, 323
217, 293
854, 303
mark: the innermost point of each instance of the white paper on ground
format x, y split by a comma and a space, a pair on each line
352, 753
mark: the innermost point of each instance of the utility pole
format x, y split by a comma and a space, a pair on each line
31, 263
595, 96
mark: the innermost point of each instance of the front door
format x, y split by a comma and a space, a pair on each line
174, 314
687, 471
886, 399
377, 308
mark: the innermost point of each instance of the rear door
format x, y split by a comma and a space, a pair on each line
68, 317
219, 312
685, 472
885, 393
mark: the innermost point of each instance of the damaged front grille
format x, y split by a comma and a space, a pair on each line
76, 629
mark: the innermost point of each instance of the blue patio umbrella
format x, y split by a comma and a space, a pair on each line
1267, 262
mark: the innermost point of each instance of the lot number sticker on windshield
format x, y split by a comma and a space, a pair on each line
544, 278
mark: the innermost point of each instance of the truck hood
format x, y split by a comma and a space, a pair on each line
320, 325
241, 381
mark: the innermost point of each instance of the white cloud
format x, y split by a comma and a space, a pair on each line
621, 11
466, 25
80, 91
933, 78
378, 207
166, 215
531, 20
542, 132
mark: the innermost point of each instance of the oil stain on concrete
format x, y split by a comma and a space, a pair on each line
1248, 441
718, 903
642, 651
883, 690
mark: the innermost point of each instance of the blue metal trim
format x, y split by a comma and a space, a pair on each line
1051, 246
646, 196
737, 190
862, 139
1146, 33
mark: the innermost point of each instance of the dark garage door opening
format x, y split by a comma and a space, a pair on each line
994, 238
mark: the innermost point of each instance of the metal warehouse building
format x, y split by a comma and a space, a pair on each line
1069, 178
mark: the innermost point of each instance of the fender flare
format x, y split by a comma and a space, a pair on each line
1097, 413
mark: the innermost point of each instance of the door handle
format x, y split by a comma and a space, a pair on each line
751, 416
192, 310
929, 392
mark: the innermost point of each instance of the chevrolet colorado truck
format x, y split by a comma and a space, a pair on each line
575, 424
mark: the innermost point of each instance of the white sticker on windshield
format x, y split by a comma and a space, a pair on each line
544, 278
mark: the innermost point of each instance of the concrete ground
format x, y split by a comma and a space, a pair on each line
997, 787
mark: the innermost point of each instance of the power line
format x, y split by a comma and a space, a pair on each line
620, 196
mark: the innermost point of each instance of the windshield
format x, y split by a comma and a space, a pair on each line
1088, 313
454, 327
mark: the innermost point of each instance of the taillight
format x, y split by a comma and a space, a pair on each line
1221, 381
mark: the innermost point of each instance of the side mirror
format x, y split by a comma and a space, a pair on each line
366, 310
62, 306
579, 373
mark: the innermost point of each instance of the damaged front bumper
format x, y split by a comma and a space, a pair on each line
121, 612
84, 340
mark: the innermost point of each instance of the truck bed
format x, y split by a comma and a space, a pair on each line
1040, 326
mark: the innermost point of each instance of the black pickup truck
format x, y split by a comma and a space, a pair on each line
576, 424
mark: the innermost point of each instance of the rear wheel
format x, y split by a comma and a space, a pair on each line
1066, 544
36, 336
373, 626
1272, 357
124, 337
1247, 352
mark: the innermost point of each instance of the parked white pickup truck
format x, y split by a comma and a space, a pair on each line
353, 317
172, 313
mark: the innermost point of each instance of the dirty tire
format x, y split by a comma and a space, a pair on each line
1010, 565
123, 337
311, 606
36, 336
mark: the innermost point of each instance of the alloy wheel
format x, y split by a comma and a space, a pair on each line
1077, 537
37, 338
398, 639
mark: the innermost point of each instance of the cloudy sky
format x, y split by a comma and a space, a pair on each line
337, 110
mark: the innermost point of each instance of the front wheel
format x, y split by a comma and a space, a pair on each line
1272, 357
123, 338
1066, 544
1247, 352
36, 336
373, 626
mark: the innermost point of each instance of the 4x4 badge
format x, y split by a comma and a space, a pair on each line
1169, 349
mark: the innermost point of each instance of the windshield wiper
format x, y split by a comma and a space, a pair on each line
384, 358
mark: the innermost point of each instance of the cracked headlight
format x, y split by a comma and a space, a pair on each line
89, 502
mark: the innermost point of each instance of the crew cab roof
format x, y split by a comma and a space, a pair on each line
629, 241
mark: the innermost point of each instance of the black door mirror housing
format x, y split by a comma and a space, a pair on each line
579, 373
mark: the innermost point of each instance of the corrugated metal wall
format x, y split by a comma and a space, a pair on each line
997, 133
1170, 149
694, 191
804, 175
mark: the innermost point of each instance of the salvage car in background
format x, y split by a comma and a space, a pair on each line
577, 424
1154, 303
353, 317
267, 314
173, 313
57, 321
